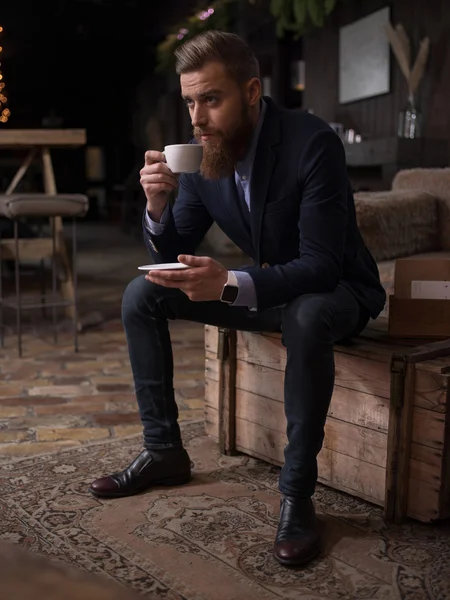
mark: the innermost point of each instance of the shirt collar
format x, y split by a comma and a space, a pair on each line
244, 166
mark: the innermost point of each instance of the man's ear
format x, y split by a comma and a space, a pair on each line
253, 91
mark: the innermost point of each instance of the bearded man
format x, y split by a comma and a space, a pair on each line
275, 182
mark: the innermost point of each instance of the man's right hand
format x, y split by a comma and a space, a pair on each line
157, 181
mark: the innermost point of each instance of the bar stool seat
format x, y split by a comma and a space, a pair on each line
14, 206
18, 206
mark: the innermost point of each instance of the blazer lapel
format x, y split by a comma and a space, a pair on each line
262, 171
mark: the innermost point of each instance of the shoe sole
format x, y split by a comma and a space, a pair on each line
297, 563
169, 482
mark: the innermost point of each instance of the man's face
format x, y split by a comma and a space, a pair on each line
223, 116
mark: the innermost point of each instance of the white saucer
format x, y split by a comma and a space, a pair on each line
163, 267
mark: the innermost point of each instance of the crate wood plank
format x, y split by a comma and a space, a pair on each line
212, 366
429, 429
428, 426
379, 347
403, 376
333, 467
342, 436
212, 422
363, 409
227, 390
354, 372
366, 444
342, 472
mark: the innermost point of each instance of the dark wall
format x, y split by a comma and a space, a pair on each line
377, 117
86, 61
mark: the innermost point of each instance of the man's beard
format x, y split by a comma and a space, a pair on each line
221, 156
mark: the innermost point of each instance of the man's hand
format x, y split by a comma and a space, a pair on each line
202, 282
157, 181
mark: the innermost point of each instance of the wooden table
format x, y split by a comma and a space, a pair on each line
37, 143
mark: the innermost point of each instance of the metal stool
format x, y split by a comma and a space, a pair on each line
17, 206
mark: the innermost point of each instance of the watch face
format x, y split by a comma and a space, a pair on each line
229, 293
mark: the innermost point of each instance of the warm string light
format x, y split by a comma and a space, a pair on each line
4, 112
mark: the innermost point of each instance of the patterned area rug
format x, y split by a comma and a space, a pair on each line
212, 539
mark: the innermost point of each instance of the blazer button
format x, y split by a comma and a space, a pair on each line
265, 265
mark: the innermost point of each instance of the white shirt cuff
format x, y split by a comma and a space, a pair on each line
154, 227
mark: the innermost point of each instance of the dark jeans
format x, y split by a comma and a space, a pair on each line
310, 326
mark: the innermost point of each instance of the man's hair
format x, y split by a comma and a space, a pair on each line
228, 49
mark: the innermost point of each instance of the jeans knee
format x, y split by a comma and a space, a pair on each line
307, 316
137, 297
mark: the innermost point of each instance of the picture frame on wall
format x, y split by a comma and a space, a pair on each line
364, 58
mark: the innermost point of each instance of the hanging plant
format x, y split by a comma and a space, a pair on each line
297, 16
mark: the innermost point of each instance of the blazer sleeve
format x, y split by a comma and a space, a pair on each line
322, 227
186, 225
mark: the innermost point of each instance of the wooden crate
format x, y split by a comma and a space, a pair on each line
387, 436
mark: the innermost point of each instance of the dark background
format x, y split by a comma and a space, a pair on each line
92, 62
83, 60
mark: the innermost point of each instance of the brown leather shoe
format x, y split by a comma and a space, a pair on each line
297, 541
170, 466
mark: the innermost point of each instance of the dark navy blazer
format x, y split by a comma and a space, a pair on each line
303, 225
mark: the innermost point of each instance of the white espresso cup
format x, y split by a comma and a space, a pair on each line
184, 158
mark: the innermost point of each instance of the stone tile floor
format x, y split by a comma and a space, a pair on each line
52, 398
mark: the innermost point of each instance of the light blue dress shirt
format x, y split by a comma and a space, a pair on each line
243, 176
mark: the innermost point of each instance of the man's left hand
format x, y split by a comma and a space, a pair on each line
202, 282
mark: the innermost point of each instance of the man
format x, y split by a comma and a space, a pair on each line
275, 181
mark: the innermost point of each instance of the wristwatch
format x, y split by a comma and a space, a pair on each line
230, 289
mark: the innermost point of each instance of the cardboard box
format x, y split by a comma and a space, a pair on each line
424, 278
420, 306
